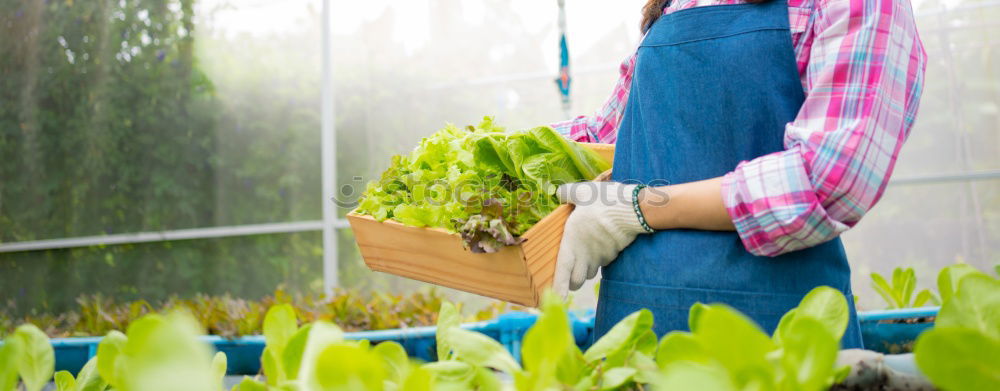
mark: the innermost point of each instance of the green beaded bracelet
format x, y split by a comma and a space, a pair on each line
638, 211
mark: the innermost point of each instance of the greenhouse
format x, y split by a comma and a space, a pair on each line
499, 195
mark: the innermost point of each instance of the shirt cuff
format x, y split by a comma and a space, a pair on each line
774, 206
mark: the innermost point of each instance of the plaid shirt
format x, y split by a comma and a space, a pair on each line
862, 67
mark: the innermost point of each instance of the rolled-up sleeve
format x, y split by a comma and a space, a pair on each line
863, 77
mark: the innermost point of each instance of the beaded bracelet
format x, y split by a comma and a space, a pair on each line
638, 211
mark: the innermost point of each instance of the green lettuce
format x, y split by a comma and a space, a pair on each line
961, 352
485, 183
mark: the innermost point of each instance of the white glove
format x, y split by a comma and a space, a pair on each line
603, 223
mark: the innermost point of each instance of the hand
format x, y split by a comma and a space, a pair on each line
603, 223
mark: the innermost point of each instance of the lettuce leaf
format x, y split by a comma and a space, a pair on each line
485, 183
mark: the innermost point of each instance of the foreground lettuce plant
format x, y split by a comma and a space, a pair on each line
949, 277
157, 353
317, 357
552, 361
26, 354
725, 350
160, 352
962, 351
87, 380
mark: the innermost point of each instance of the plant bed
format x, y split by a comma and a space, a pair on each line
230, 317
244, 353
234, 324
724, 351
884, 331
164, 352
895, 331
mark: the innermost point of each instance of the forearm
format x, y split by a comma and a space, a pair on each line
693, 205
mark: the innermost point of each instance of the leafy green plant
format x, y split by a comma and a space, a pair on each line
724, 350
34, 356
482, 182
620, 359
949, 277
87, 380
160, 352
316, 357
961, 352
157, 353
898, 293
10, 353
465, 358
727, 351
551, 359
230, 317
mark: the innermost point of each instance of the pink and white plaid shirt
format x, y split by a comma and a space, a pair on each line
862, 68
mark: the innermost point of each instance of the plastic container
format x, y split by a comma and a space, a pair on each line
895, 331
243, 354
73, 353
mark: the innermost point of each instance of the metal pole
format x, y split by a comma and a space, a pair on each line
160, 236
328, 150
566, 106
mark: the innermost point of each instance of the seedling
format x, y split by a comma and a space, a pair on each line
900, 291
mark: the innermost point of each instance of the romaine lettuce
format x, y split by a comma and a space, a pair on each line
487, 184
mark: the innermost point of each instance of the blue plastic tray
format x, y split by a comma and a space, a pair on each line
882, 332
877, 329
243, 353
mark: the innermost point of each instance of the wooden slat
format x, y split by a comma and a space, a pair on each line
523, 295
536, 246
438, 257
541, 247
403, 259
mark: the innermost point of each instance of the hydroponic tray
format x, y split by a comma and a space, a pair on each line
243, 353
895, 331
877, 328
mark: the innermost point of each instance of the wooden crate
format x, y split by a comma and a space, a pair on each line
518, 274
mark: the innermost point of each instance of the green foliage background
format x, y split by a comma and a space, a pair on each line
121, 116
109, 124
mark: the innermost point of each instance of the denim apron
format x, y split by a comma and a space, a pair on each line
713, 86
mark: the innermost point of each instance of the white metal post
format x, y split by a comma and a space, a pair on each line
328, 150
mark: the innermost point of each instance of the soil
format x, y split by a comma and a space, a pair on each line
922, 319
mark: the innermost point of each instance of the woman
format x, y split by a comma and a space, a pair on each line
764, 131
